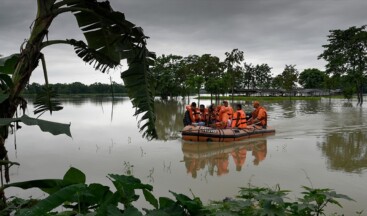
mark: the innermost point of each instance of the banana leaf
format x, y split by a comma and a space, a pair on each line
8, 64
46, 126
110, 39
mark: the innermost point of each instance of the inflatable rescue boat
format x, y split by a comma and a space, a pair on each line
208, 134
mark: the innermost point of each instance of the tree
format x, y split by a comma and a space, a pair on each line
109, 39
346, 54
233, 64
212, 68
312, 78
263, 76
290, 78
248, 76
165, 73
277, 82
256, 76
195, 73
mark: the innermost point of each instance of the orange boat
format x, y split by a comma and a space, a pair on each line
208, 134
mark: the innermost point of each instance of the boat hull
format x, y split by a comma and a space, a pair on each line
208, 134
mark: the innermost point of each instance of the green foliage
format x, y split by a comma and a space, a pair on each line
256, 77
92, 56
312, 78
5, 82
140, 90
233, 67
46, 100
332, 82
290, 77
267, 201
169, 76
348, 91
315, 200
8, 64
3, 97
77, 197
277, 82
109, 37
77, 88
346, 54
46, 126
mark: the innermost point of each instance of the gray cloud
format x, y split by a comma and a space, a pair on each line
276, 32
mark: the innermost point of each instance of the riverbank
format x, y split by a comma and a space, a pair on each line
267, 98
83, 95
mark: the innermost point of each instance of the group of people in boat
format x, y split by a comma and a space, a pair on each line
223, 116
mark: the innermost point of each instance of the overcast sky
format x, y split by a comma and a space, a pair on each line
275, 32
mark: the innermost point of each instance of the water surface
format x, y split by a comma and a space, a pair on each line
320, 144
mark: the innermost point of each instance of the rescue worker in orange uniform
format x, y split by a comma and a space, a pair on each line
217, 111
259, 115
190, 114
229, 110
223, 118
203, 115
212, 114
239, 118
225, 115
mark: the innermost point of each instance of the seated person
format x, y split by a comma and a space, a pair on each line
189, 116
239, 118
259, 115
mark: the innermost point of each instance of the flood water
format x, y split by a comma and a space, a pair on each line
321, 144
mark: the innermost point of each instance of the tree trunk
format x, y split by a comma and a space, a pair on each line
198, 97
28, 61
360, 94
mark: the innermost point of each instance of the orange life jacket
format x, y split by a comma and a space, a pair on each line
191, 112
204, 116
224, 111
197, 115
212, 116
222, 118
219, 115
230, 112
261, 114
239, 119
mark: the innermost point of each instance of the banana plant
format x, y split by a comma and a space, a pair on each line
109, 38
78, 198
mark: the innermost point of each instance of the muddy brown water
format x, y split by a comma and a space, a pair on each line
321, 144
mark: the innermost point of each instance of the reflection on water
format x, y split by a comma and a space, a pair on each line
326, 138
346, 150
345, 143
169, 119
215, 157
289, 108
97, 100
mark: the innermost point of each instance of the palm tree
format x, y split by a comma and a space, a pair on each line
109, 39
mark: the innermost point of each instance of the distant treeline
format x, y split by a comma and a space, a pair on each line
78, 88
